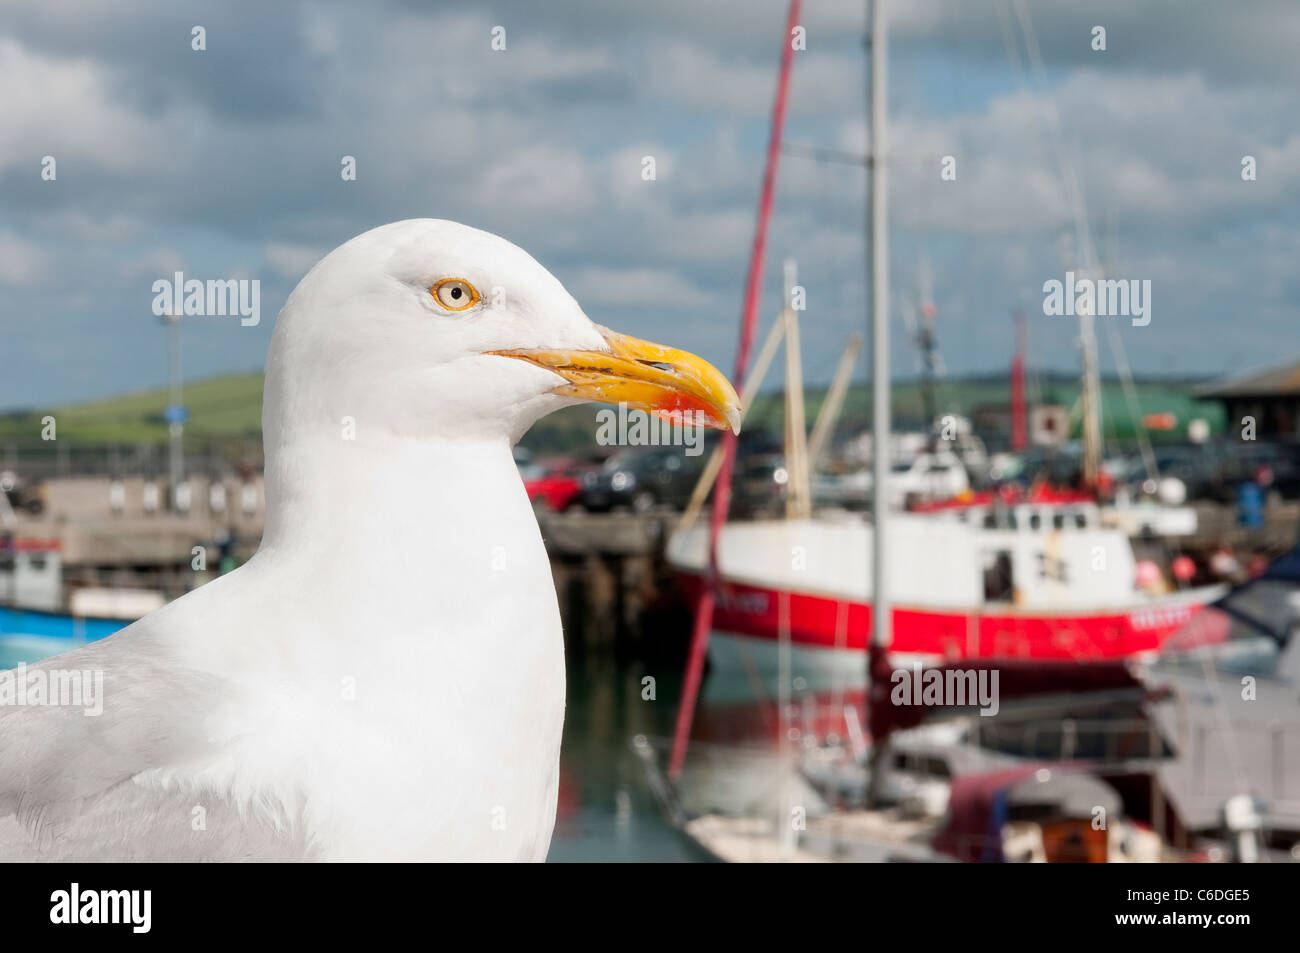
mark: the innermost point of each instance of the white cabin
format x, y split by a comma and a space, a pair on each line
31, 577
1046, 557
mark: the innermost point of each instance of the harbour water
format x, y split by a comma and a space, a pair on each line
606, 811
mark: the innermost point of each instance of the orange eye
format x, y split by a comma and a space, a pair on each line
455, 294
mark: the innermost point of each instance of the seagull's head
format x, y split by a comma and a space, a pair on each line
429, 328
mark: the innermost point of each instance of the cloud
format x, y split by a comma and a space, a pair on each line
644, 287
228, 160
291, 261
21, 262
541, 180
63, 107
1140, 144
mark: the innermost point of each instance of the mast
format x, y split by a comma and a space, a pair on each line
834, 402
1019, 432
923, 337
798, 503
749, 318
1078, 248
1091, 395
175, 413
878, 221
747, 394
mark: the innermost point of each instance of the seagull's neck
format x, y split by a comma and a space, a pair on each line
397, 502
414, 572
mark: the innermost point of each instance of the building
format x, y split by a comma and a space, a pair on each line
1271, 397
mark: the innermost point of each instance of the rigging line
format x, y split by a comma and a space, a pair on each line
1116, 341
1130, 396
1034, 391
1009, 42
831, 261
826, 190
1073, 186
828, 303
820, 154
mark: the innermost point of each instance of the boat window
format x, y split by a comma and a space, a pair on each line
36, 562
935, 767
1035, 521
999, 582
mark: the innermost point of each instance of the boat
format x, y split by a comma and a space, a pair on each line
37, 621
1043, 581
990, 810
1051, 578
1224, 693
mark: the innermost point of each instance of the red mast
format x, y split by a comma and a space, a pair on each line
722, 489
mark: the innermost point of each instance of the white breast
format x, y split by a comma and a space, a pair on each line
402, 671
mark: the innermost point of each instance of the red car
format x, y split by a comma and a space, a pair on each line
553, 484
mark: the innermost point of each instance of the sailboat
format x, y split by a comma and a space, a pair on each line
1052, 578
799, 587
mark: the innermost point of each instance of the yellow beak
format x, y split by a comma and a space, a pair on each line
674, 385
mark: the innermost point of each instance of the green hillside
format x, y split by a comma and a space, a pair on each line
229, 408
220, 408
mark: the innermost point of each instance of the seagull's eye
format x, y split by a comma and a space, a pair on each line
455, 294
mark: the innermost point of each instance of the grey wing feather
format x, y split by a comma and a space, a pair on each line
130, 822
66, 789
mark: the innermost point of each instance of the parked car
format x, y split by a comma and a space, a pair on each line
642, 479
552, 485
1200, 470
21, 496
1214, 471
929, 476
760, 486
846, 489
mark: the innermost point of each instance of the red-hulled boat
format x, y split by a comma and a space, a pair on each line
1043, 581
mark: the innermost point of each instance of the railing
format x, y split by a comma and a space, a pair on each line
34, 459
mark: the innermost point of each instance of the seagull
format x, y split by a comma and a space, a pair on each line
384, 679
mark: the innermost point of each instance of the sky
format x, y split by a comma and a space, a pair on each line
226, 163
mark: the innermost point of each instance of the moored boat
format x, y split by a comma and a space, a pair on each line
38, 618
1036, 581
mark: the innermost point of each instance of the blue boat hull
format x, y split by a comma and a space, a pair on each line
28, 635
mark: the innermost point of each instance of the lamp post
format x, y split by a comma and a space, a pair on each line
175, 412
